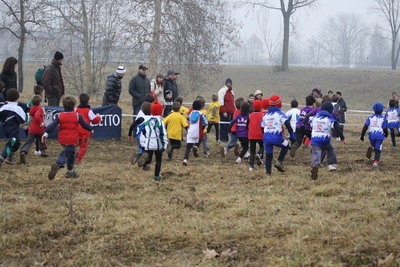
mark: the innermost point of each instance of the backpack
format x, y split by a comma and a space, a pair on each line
39, 74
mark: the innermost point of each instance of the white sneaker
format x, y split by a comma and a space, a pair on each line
247, 155
251, 169
338, 139
38, 153
225, 150
185, 162
332, 167
238, 160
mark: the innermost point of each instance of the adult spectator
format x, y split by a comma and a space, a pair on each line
170, 91
226, 99
139, 87
395, 97
343, 107
8, 75
157, 88
258, 95
113, 87
318, 87
250, 100
53, 82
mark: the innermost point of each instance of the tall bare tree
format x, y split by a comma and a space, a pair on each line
91, 31
20, 18
390, 11
190, 35
287, 8
343, 37
271, 43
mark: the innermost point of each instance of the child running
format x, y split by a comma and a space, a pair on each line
89, 117
154, 139
272, 123
11, 116
392, 118
35, 130
174, 123
377, 129
213, 117
293, 114
241, 121
233, 138
197, 123
255, 133
321, 126
68, 136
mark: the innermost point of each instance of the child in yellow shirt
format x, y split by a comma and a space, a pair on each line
183, 110
213, 116
174, 123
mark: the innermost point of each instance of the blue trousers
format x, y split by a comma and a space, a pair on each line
67, 155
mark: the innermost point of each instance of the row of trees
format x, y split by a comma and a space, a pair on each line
344, 40
190, 35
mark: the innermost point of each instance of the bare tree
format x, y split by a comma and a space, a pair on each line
390, 11
91, 31
287, 8
20, 18
254, 49
379, 54
343, 37
271, 44
315, 53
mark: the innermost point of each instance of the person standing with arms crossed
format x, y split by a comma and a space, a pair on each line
170, 91
139, 87
226, 99
53, 82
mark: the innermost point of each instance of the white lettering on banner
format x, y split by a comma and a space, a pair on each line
49, 116
109, 120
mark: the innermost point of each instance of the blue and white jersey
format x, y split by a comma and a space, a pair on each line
294, 116
392, 117
272, 123
321, 126
376, 123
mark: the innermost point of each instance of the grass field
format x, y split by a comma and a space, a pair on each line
115, 214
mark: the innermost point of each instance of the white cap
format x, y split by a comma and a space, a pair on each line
121, 69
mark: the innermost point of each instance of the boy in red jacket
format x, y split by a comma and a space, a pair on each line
68, 136
36, 128
89, 117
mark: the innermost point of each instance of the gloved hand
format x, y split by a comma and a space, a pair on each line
292, 137
362, 138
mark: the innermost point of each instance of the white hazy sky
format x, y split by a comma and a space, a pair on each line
310, 19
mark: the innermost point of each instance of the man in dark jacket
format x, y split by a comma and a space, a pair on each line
53, 82
139, 87
113, 87
170, 91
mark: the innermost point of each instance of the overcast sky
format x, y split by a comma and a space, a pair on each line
310, 19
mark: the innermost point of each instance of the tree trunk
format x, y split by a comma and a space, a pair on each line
155, 41
285, 51
87, 51
21, 48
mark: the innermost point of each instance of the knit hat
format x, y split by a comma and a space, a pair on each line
120, 69
196, 105
327, 106
58, 56
156, 109
265, 103
317, 87
257, 104
378, 108
275, 100
258, 92
229, 80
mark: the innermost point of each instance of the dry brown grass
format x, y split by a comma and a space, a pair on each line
115, 214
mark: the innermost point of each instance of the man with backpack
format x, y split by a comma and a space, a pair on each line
52, 80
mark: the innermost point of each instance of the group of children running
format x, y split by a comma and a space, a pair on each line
74, 129
255, 122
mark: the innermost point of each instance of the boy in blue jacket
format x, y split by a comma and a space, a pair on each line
11, 116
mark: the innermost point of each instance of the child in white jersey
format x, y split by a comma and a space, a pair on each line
392, 118
321, 126
377, 129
